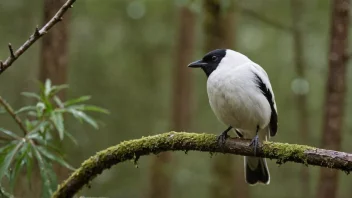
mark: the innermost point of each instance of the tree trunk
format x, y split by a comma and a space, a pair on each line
54, 57
335, 95
181, 113
219, 33
301, 97
54, 49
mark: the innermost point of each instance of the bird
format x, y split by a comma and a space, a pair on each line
242, 98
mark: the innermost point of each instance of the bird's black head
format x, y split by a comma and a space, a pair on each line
210, 61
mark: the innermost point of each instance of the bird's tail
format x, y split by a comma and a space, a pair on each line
256, 170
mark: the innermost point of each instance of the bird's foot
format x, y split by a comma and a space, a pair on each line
255, 144
222, 138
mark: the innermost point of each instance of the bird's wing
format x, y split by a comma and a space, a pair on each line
262, 80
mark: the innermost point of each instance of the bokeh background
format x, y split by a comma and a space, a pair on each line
126, 55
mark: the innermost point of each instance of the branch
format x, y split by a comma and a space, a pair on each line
179, 141
34, 37
9, 109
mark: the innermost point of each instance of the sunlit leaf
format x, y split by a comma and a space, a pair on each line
77, 100
84, 117
55, 89
90, 108
4, 167
40, 107
47, 87
25, 108
31, 95
54, 157
32, 114
58, 102
9, 133
58, 121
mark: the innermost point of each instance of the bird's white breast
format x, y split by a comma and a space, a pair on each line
236, 99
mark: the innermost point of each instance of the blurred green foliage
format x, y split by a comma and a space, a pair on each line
39, 143
125, 60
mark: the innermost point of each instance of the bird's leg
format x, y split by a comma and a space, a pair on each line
255, 141
223, 136
240, 135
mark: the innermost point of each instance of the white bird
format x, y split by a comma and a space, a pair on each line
241, 97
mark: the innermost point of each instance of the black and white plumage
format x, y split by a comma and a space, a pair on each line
241, 96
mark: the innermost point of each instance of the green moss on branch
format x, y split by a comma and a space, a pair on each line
181, 141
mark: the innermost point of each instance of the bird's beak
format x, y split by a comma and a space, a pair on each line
197, 64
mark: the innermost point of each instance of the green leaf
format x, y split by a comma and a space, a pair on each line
46, 143
90, 108
32, 114
31, 95
5, 150
58, 102
29, 165
4, 167
9, 133
20, 162
58, 121
54, 157
46, 172
85, 117
4, 194
55, 89
38, 127
9, 146
47, 87
77, 100
25, 108
70, 136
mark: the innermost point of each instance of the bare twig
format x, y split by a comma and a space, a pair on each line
180, 141
12, 55
266, 20
9, 109
35, 36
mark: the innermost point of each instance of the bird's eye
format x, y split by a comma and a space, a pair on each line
214, 58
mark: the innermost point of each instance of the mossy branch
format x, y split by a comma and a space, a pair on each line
180, 141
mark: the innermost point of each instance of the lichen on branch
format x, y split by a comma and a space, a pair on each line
181, 141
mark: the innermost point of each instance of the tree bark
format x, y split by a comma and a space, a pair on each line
335, 93
181, 141
54, 49
297, 8
219, 33
181, 112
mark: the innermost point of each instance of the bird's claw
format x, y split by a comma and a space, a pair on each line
255, 144
222, 139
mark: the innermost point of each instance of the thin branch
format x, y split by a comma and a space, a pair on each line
266, 20
12, 55
35, 36
180, 141
9, 109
